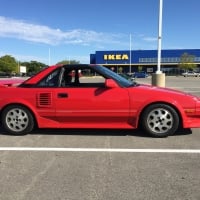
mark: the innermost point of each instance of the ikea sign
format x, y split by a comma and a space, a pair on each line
115, 57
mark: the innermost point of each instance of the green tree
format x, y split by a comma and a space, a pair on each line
140, 68
187, 62
33, 66
8, 64
120, 70
64, 62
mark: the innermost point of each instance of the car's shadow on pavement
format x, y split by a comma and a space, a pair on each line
97, 132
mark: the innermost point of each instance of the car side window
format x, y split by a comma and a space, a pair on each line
67, 78
78, 77
51, 80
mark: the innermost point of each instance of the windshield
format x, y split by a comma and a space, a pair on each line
110, 74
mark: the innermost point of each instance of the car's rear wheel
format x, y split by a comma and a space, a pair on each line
17, 120
160, 120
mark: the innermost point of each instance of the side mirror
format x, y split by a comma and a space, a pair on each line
111, 83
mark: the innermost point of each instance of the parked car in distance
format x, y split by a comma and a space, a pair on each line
5, 75
141, 74
191, 73
11, 81
126, 76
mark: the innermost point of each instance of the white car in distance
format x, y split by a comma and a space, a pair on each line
191, 74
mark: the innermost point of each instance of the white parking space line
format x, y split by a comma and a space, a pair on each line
49, 149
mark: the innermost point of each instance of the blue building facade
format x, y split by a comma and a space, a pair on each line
145, 60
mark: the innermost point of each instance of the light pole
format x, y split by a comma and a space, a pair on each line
49, 57
159, 36
158, 78
130, 55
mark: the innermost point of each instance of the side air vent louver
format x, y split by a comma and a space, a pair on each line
44, 99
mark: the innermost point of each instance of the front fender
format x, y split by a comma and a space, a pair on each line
138, 108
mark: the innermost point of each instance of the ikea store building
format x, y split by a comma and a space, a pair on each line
144, 60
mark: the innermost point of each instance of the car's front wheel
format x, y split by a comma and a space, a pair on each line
17, 120
160, 120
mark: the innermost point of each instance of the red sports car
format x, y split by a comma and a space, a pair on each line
92, 96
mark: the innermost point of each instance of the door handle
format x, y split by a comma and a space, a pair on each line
62, 95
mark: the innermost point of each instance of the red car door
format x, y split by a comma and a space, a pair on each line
92, 107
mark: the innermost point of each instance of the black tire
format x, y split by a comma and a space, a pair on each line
17, 120
160, 120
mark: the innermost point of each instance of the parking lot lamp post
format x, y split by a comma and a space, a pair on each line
49, 57
130, 55
158, 78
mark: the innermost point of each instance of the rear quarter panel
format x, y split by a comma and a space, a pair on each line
29, 97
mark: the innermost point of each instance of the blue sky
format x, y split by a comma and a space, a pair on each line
50, 31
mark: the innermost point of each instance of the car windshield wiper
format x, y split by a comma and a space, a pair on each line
134, 84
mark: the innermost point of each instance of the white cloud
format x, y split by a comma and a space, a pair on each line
150, 39
19, 29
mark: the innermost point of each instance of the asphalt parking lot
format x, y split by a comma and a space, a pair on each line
102, 164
